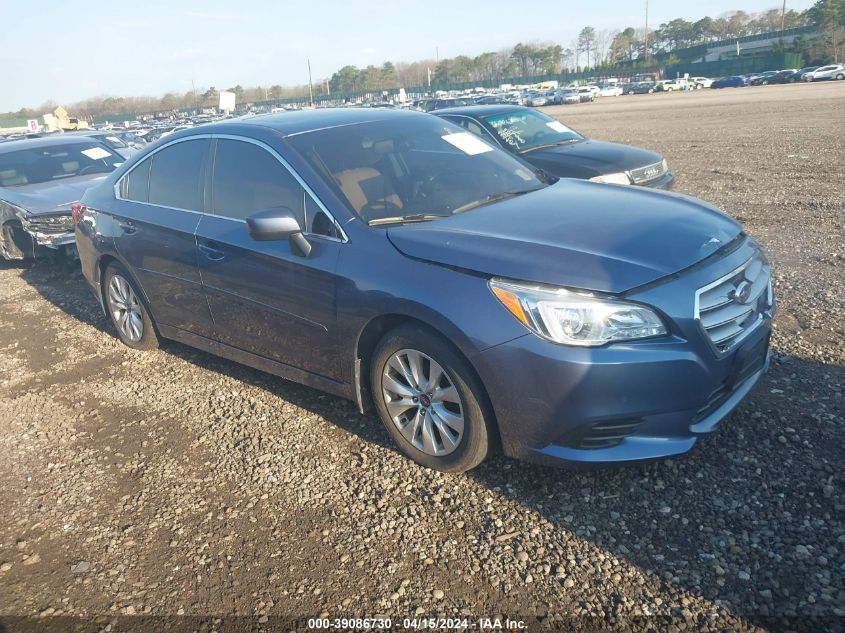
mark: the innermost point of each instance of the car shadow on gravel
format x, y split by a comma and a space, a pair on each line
60, 282
750, 519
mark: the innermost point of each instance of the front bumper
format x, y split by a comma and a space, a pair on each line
50, 230
625, 402
662, 394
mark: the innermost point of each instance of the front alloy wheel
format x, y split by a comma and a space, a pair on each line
423, 402
430, 400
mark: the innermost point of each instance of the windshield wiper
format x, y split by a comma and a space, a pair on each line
564, 142
494, 197
397, 219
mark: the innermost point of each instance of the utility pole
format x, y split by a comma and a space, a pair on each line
645, 37
310, 87
783, 17
328, 90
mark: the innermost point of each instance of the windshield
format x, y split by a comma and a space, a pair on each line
524, 130
412, 169
46, 163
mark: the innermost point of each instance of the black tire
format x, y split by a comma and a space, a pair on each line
149, 336
476, 441
840, 77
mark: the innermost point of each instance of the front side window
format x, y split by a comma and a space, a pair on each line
176, 175
412, 169
56, 162
247, 178
524, 130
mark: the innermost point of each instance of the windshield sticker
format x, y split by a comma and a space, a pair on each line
96, 153
557, 126
467, 143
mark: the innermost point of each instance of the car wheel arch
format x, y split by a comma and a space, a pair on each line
105, 260
373, 332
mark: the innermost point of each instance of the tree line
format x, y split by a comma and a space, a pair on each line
591, 49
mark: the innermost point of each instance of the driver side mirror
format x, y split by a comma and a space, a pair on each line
277, 224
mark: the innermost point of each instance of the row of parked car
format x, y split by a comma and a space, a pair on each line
434, 268
832, 72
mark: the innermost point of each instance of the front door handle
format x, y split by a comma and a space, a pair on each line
128, 228
213, 254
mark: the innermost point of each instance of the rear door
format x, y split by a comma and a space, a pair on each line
159, 208
265, 298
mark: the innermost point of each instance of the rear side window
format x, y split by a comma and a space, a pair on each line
247, 178
176, 175
134, 185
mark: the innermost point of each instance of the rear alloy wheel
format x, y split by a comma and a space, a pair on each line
126, 309
840, 76
429, 400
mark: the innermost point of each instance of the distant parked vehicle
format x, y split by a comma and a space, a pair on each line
701, 82
39, 181
667, 85
493, 100
736, 81
111, 140
586, 94
567, 96
549, 145
177, 128
447, 102
835, 71
641, 88
763, 79
609, 91
800, 75
535, 99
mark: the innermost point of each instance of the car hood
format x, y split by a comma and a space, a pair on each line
50, 197
587, 158
606, 238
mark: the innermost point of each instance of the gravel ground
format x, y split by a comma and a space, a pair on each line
175, 483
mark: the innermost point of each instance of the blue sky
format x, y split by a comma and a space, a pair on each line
70, 50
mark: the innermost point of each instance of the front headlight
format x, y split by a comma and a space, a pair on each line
620, 178
573, 318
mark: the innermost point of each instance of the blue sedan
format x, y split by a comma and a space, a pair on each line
397, 260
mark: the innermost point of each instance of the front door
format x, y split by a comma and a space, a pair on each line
264, 297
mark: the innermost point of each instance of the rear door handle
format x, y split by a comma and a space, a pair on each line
213, 254
128, 228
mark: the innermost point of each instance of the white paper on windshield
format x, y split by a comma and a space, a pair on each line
467, 143
96, 153
557, 126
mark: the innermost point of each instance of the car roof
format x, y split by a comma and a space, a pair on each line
301, 121
45, 141
482, 110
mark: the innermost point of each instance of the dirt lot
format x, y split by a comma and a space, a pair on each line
174, 483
